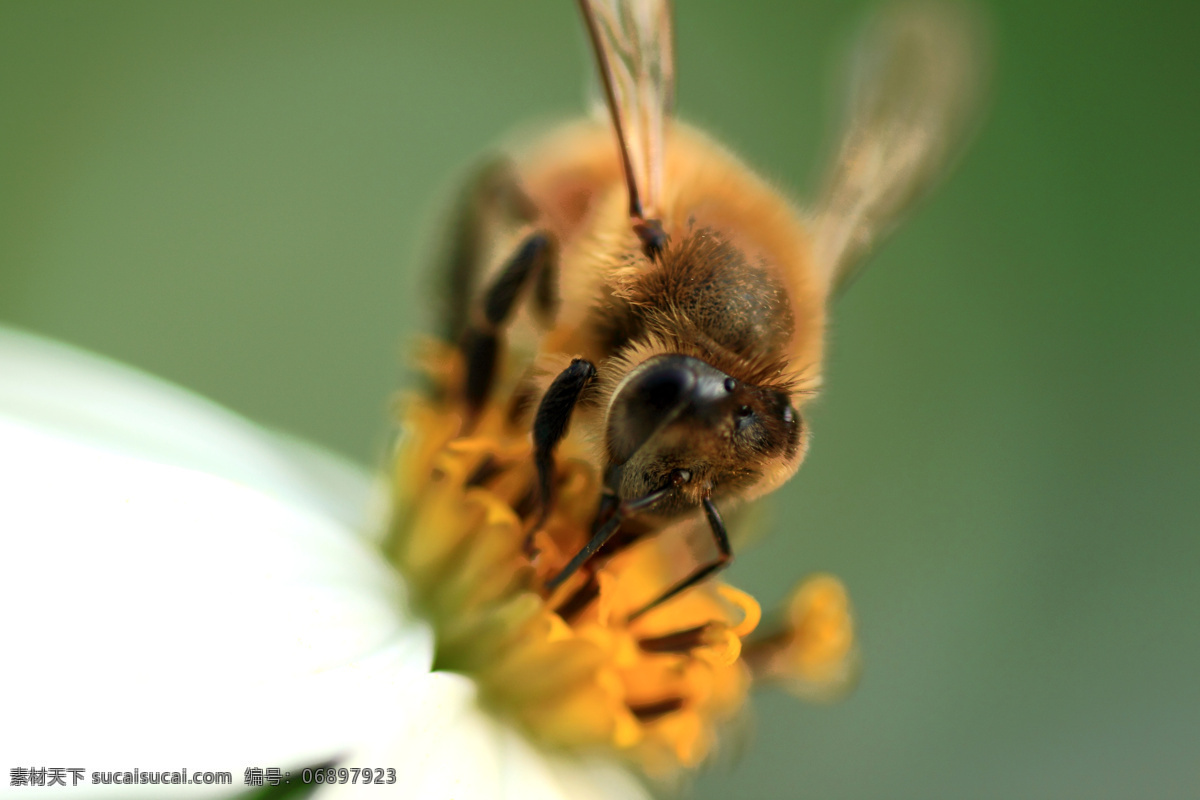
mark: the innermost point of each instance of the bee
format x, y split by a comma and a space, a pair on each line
681, 299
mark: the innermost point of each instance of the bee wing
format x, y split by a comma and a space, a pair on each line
915, 79
635, 52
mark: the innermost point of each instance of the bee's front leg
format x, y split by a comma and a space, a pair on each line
624, 510
550, 427
724, 559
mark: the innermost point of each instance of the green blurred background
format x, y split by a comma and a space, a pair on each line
239, 197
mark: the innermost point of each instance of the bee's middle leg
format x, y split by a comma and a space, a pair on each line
476, 316
535, 256
492, 200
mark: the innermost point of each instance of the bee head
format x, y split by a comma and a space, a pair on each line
676, 420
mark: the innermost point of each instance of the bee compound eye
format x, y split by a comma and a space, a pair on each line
789, 416
663, 389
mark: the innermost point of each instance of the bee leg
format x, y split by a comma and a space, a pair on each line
550, 425
493, 197
724, 559
481, 341
624, 510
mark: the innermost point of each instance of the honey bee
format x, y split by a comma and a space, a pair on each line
681, 299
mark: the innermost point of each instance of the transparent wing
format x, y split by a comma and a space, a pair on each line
916, 76
635, 53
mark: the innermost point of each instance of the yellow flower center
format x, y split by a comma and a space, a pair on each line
570, 665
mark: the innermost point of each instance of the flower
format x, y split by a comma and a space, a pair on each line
183, 589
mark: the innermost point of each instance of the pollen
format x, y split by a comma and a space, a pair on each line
576, 667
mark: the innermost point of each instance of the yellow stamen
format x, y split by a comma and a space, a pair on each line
814, 656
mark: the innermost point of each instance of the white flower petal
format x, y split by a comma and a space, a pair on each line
450, 751
168, 614
92, 399
470, 755
188, 590
531, 774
